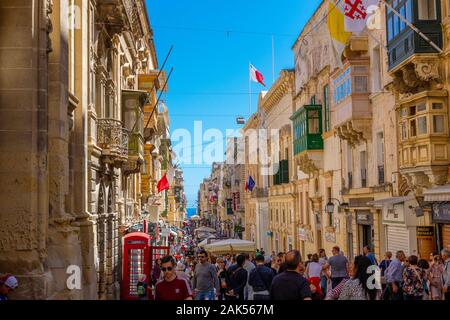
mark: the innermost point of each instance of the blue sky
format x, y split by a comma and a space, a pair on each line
210, 78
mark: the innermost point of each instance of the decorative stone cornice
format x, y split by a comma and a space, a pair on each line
283, 86
416, 74
353, 131
307, 165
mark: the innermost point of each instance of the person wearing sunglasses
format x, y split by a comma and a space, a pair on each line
171, 287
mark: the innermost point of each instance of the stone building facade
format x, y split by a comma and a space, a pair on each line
71, 140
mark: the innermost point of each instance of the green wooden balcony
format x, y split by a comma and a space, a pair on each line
307, 122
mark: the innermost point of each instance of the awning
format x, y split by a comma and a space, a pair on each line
390, 201
438, 194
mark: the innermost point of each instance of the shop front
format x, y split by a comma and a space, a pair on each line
439, 200
399, 224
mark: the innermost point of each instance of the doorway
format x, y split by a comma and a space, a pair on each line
365, 236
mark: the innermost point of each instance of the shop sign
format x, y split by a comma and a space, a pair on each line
364, 217
425, 231
441, 213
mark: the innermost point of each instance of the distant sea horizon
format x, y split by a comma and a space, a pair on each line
191, 212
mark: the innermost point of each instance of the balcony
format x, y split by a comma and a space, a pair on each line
136, 148
260, 193
308, 141
352, 116
423, 138
403, 42
112, 138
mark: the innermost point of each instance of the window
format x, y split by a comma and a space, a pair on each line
390, 30
427, 9
408, 10
313, 99
404, 131
421, 107
422, 124
313, 122
376, 70
361, 84
412, 110
402, 13
412, 128
342, 86
438, 124
284, 216
363, 166
438, 106
326, 109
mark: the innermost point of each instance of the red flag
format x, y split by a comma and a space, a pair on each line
256, 76
163, 184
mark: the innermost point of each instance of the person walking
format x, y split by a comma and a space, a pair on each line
156, 272
356, 287
260, 279
290, 285
369, 254
236, 279
413, 280
249, 267
324, 275
205, 279
436, 273
171, 287
313, 272
222, 274
338, 265
181, 272
446, 274
394, 277
8, 283
384, 264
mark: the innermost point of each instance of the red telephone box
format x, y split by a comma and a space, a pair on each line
136, 261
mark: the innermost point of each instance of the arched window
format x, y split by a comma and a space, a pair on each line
110, 198
101, 199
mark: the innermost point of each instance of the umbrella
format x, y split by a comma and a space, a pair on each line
196, 217
231, 246
205, 241
205, 229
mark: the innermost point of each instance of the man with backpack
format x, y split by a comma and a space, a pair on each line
236, 280
261, 279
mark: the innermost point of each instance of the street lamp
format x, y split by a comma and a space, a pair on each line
329, 208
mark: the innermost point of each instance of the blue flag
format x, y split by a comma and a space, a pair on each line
250, 184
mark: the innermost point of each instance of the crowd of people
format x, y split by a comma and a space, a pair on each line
285, 276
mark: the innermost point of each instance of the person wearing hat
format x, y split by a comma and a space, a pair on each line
8, 283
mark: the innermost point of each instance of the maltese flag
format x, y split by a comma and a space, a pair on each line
256, 76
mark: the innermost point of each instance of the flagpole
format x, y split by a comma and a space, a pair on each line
273, 59
249, 90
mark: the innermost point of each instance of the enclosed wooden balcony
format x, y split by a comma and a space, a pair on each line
308, 141
423, 138
352, 116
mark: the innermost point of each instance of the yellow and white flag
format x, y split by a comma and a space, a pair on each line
336, 27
